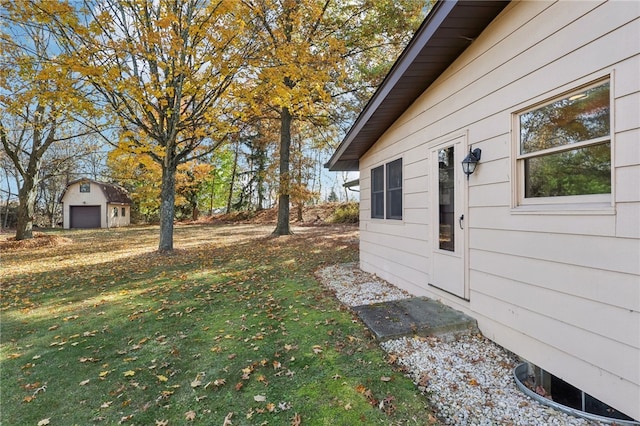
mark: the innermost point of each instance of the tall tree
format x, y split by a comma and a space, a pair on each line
313, 51
40, 101
141, 176
165, 68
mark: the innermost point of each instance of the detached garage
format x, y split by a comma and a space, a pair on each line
91, 204
84, 216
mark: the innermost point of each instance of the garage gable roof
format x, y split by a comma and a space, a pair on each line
449, 28
114, 194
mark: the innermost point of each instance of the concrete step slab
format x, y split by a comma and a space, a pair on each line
414, 316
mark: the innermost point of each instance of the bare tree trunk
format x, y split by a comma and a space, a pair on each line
167, 206
26, 211
233, 178
299, 209
213, 194
6, 212
282, 227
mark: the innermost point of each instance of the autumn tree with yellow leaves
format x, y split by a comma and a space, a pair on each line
313, 56
44, 106
142, 176
166, 69
179, 75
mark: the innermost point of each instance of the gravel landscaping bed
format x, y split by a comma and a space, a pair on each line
469, 381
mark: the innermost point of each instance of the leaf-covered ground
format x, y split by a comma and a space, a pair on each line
230, 329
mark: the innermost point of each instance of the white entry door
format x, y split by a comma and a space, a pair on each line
447, 204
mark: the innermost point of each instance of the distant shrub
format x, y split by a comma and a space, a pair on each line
346, 213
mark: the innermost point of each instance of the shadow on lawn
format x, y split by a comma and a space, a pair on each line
232, 322
109, 273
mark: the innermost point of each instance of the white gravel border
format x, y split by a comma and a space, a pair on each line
468, 381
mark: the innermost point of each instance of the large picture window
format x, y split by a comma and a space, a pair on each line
386, 191
565, 146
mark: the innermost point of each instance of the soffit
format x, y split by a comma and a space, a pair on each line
446, 32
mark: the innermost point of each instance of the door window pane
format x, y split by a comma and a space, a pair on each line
446, 198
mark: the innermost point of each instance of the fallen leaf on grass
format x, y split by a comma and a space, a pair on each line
129, 373
296, 420
44, 422
284, 406
84, 382
190, 415
162, 378
347, 406
385, 379
125, 419
259, 398
162, 422
227, 420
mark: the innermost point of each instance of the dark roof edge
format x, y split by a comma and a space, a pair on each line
122, 191
433, 20
451, 26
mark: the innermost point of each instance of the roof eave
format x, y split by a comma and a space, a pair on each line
384, 103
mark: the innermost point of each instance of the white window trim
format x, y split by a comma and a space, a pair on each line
562, 205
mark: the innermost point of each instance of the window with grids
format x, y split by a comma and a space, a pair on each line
386, 191
565, 146
85, 187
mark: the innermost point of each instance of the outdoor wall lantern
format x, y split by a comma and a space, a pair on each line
470, 162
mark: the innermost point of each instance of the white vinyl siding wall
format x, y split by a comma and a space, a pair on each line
558, 286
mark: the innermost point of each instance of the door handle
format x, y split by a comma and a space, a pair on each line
460, 221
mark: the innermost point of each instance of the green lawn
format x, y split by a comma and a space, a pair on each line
230, 329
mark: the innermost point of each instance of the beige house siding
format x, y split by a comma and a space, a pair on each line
559, 286
95, 197
116, 221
